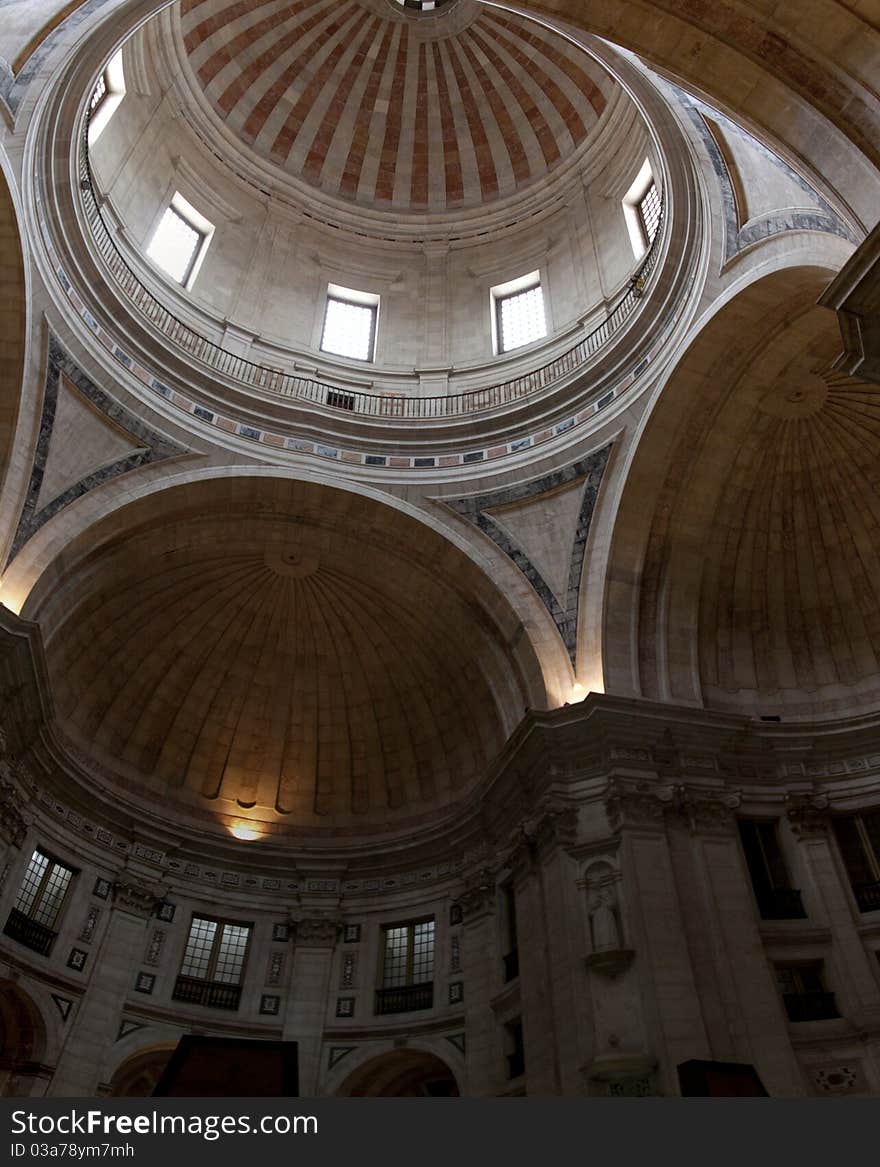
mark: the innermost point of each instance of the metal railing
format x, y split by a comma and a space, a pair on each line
28, 932
388, 405
214, 994
406, 999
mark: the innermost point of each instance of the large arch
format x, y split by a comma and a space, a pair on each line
23, 1042
137, 1075
402, 1073
745, 551
13, 332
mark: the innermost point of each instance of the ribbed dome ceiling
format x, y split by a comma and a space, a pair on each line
415, 111
288, 649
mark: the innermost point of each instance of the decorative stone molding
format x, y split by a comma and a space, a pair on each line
610, 962
316, 931
140, 899
808, 815
478, 897
554, 825
620, 1073
13, 827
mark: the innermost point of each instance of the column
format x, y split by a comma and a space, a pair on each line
96, 1022
306, 1006
670, 1005
744, 1017
853, 974
480, 959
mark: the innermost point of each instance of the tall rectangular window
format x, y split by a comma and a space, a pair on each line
858, 838
213, 963
642, 210
519, 312
40, 898
108, 93
180, 241
407, 967
649, 212
350, 319
777, 900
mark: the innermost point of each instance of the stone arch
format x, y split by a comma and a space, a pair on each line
23, 1042
137, 1075
13, 331
401, 1073
209, 558
105, 513
723, 556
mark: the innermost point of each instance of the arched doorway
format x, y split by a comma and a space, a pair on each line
401, 1074
22, 1043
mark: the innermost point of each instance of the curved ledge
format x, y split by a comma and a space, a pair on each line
389, 405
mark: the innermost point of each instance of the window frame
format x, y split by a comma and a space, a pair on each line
410, 926
179, 205
53, 863
352, 297
216, 945
100, 113
869, 854
509, 290
632, 202
23, 924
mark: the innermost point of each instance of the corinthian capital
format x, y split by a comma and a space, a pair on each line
636, 805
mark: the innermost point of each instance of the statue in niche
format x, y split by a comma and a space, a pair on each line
604, 929
609, 957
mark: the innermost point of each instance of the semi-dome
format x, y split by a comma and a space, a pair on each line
292, 653
411, 111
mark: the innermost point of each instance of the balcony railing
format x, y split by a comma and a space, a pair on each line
867, 896
406, 999
28, 932
781, 903
511, 965
815, 1006
276, 380
214, 994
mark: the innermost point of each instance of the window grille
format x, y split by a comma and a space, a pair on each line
521, 318
349, 328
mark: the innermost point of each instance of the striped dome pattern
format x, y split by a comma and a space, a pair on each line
390, 109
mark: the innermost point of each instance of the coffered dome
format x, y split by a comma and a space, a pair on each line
413, 111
